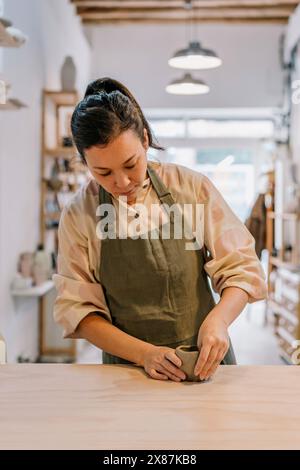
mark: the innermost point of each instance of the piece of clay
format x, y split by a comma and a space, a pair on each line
189, 356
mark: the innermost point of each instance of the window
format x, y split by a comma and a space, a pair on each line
212, 128
236, 129
225, 150
230, 170
168, 128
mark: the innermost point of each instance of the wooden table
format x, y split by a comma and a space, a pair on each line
55, 406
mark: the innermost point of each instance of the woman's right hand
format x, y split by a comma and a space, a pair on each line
162, 363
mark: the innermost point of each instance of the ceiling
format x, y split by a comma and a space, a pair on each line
176, 11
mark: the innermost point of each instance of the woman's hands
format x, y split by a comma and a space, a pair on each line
213, 340
162, 363
213, 343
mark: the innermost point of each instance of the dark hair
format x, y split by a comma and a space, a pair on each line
107, 109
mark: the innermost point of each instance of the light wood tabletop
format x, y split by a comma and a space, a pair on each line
60, 406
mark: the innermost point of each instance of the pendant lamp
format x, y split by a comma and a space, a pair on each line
187, 85
195, 56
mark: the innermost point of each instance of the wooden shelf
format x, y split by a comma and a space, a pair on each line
285, 356
277, 307
284, 264
56, 110
52, 215
12, 104
5, 22
59, 152
51, 229
285, 335
284, 215
63, 98
37, 291
6, 40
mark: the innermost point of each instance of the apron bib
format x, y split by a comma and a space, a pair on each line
155, 289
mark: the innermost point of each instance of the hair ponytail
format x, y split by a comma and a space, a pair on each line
107, 110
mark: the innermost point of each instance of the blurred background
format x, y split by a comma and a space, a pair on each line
219, 81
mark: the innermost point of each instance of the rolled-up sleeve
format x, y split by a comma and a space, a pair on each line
78, 291
232, 260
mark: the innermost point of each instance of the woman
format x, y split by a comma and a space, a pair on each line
138, 298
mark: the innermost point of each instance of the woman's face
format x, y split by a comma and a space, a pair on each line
121, 166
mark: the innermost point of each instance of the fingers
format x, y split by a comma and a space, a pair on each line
174, 374
203, 356
165, 365
163, 374
156, 375
172, 357
168, 366
211, 360
211, 354
216, 363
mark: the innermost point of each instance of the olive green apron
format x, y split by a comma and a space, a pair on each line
155, 289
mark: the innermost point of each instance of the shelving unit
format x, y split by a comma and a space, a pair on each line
293, 218
62, 173
56, 105
284, 284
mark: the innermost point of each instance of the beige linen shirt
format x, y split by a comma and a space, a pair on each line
232, 259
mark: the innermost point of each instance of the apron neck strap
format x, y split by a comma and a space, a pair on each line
162, 192
104, 196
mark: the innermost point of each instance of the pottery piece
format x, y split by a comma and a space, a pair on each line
25, 264
189, 356
68, 74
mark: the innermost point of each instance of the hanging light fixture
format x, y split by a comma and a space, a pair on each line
187, 85
194, 57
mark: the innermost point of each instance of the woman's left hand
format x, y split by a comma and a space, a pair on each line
213, 343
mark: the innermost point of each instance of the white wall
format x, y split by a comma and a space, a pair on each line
250, 75
19, 172
63, 35
54, 32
